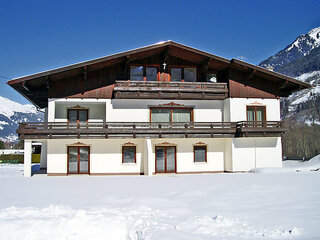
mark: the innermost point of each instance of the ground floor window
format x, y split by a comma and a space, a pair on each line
200, 153
78, 159
128, 154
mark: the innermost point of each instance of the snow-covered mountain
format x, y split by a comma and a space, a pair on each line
301, 47
11, 113
301, 60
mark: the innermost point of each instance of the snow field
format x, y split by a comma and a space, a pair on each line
62, 222
283, 204
293, 166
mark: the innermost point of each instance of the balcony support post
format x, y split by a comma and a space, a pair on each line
43, 159
27, 157
148, 157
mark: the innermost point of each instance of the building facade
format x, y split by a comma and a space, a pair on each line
164, 108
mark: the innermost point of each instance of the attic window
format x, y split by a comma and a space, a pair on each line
136, 73
190, 74
176, 75
187, 74
151, 73
144, 73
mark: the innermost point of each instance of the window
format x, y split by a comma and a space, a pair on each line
171, 114
151, 73
77, 115
176, 75
256, 113
144, 73
136, 73
160, 115
200, 153
128, 154
188, 74
181, 115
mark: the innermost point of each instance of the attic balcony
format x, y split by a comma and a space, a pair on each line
120, 130
170, 90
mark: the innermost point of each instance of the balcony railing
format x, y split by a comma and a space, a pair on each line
64, 130
170, 90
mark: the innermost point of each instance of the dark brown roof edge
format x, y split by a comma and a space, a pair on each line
275, 74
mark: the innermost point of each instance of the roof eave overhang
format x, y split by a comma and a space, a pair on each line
245, 66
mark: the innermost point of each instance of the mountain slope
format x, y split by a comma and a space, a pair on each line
11, 113
300, 59
305, 64
299, 48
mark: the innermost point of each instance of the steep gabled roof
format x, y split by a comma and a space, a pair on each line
20, 84
115, 56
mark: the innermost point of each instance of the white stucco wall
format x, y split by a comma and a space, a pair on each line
226, 110
228, 154
185, 157
235, 109
132, 110
248, 153
106, 155
96, 109
51, 110
118, 110
139, 110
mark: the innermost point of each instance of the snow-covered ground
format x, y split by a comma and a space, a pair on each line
251, 205
293, 166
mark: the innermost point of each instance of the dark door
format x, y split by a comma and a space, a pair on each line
78, 160
166, 159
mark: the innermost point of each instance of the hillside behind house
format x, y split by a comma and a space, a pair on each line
301, 110
11, 113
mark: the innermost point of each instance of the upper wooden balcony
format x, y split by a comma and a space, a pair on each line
170, 90
65, 130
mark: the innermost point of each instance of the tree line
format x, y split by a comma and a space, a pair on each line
301, 139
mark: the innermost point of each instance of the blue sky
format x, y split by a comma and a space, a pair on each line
41, 35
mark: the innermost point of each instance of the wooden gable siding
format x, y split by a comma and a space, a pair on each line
243, 86
99, 83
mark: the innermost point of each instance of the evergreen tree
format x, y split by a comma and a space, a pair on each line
2, 146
